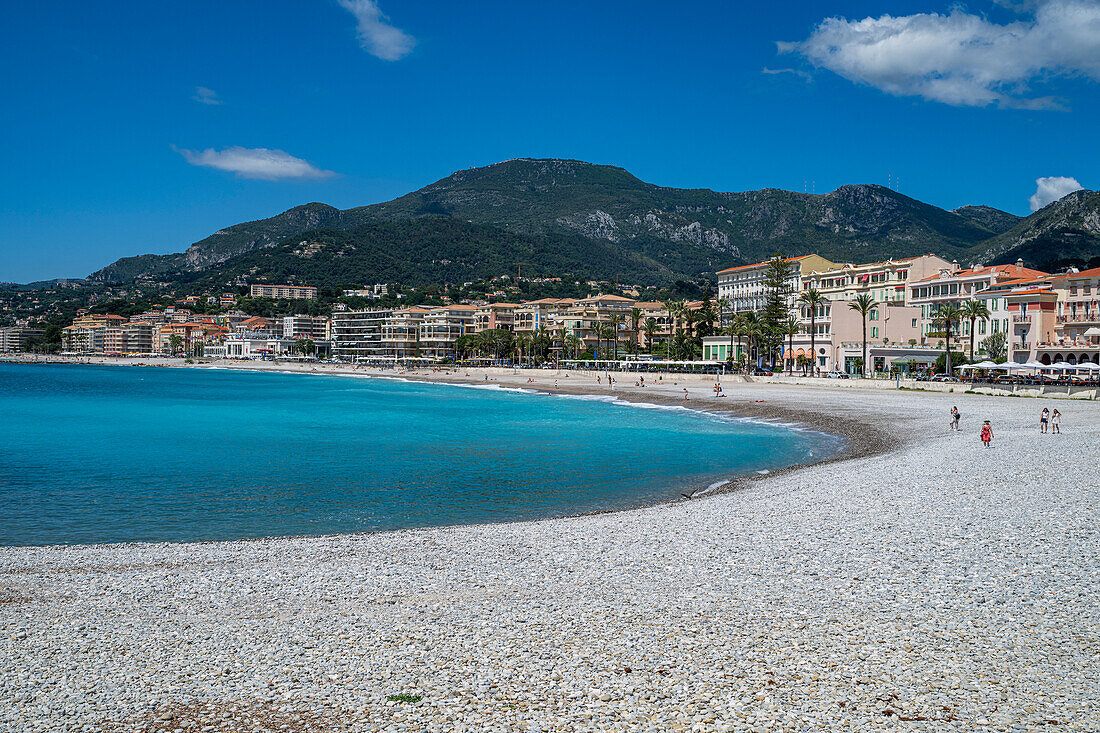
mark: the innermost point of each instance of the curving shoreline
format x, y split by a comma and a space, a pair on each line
925, 580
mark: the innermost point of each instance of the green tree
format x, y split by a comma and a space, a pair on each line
650, 328
304, 347
863, 304
994, 345
792, 328
777, 286
175, 344
673, 307
947, 316
973, 310
635, 322
813, 299
752, 328
614, 323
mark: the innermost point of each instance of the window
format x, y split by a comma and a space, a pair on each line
873, 315
915, 324
874, 332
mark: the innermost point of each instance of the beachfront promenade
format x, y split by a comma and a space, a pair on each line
930, 585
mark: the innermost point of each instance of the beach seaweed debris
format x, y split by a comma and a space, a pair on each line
404, 697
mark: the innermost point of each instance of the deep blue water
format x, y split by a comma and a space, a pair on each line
112, 454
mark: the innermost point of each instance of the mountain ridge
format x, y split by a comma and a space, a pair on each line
680, 231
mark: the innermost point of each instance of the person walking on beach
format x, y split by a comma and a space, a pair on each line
987, 433
685, 394
955, 418
1044, 418
1056, 422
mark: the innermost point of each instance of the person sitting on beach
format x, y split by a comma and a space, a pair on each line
987, 433
1044, 418
1056, 422
955, 418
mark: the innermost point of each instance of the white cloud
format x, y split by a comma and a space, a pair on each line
1049, 190
959, 58
376, 35
203, 95
794, 72
269, 165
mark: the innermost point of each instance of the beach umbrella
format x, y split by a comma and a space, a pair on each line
984, 365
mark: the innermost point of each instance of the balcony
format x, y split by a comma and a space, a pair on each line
1020, 346
1093, 317
1021, 318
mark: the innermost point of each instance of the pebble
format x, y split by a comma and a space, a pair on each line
940, 583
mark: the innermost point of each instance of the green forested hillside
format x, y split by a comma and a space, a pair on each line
435, 251
602, 220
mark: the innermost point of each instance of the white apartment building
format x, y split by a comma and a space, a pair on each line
358, 334
744, 286
314, 328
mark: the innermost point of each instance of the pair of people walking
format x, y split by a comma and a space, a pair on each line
1050, 422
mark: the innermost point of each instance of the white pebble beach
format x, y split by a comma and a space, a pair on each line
929, 584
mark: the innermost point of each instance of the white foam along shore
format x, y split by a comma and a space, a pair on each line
937, 584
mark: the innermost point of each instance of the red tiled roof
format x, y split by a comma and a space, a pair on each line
1033, 291
1013, 270
760, 264
1094, 272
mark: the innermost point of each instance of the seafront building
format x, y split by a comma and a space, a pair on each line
745, 287
1045, 318
955, 286
400, 334
357, 334
441, 328
17, 338
313, 328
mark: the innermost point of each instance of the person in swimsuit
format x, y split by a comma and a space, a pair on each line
1044, 418
955, 418
987, 433
1056, 422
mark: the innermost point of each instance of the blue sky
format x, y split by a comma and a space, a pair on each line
132, 127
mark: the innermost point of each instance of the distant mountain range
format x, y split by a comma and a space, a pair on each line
571, 217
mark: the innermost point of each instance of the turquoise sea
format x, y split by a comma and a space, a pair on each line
112, 454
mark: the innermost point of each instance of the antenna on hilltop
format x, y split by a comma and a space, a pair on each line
814, 183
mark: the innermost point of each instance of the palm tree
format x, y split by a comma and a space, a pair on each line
613, 324
973, 310
812, 299
673, 308
573, 343
863, 304
650, 332
635, 321
947, 315
597, 331
792, 328
752, 330
723, 305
